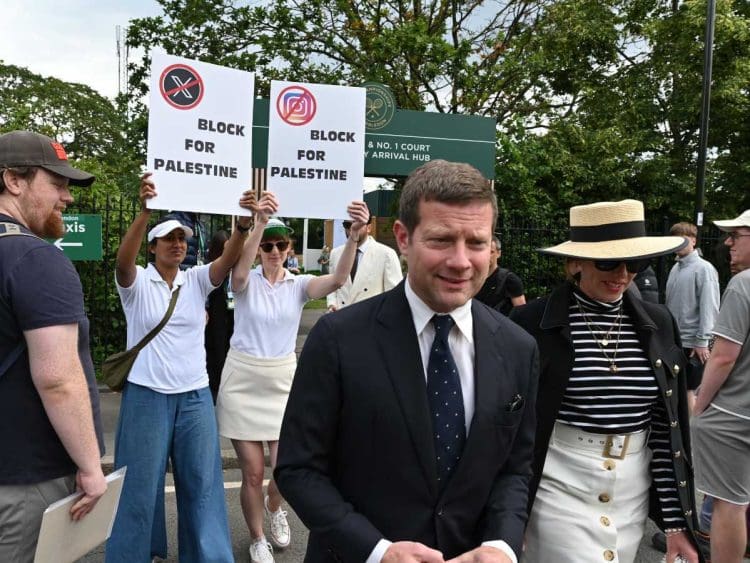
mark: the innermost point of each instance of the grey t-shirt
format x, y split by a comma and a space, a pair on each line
734, 324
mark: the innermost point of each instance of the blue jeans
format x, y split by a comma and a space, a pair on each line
707, 509
152, 428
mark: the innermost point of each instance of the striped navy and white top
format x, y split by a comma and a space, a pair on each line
624, 401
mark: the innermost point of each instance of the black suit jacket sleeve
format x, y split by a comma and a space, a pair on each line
505, 512
305, 472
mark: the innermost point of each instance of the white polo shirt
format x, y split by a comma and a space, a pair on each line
175, 360
267, 316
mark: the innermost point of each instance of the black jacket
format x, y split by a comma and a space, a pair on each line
547, 320
356, 455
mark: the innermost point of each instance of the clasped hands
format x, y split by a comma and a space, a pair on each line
415, 552
262, 208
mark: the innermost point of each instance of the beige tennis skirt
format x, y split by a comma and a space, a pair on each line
252, 396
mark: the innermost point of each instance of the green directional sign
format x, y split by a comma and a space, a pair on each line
83, 237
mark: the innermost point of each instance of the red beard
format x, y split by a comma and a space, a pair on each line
53, 227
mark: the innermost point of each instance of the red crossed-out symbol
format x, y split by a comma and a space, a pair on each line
181, 87
296, 105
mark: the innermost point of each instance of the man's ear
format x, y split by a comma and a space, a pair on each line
12, 182
402, 237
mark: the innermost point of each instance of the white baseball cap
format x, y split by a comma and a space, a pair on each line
731, 224
162, 229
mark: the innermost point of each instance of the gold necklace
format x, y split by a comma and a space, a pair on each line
605, 341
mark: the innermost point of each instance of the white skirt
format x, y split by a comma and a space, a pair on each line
589, 508
253, 395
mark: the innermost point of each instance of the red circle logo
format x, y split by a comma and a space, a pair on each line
181, 87
296, 105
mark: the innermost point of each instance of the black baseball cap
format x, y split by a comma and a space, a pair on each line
24, 148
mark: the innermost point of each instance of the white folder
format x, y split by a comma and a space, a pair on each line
62, 540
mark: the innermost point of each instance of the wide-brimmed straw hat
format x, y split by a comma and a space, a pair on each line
612, 230
731, 224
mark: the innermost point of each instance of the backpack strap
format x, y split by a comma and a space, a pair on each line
8, 229
11, 229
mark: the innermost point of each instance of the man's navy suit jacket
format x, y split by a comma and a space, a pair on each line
356, 456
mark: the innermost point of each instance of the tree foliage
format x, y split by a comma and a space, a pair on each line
594, 99
87, 122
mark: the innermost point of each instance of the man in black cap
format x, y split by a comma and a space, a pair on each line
51, 440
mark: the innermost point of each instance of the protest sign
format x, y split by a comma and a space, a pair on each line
316, 136
199, 135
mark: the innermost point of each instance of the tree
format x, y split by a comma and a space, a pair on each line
594, 99
88, 123
623, 82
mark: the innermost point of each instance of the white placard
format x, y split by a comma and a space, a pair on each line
200, 127
62, 539
316, 148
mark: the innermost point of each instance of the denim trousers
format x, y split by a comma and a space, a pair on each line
155, 427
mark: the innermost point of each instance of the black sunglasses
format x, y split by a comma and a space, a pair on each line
633, 266
267, 247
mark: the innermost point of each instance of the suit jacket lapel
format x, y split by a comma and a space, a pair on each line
363, 271
489, 374
403, 362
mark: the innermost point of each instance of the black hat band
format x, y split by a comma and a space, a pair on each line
611, 231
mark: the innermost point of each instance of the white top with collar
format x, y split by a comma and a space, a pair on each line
461, 344
267, 316
175, 360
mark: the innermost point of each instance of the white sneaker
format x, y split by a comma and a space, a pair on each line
261, 551
280, 533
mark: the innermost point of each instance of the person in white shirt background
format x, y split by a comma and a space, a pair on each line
376, 269
261, 362
166, 411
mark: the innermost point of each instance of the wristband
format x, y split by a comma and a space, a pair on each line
673, 531
242, 229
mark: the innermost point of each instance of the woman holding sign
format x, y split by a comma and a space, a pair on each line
166, 411
259, 368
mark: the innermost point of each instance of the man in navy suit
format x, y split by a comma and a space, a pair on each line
408, 435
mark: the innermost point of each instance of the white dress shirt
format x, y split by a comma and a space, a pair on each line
461, 344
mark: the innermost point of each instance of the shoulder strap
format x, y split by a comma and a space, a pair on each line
10, 229
154, 331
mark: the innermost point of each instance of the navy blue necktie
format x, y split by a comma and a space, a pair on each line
446, 401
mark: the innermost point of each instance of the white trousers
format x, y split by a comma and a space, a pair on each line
590, 507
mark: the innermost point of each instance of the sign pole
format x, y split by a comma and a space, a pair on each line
700, 181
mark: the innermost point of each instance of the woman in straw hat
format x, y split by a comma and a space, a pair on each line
259, 368
612, 436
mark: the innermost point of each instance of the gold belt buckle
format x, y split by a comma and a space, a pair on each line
610, 441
